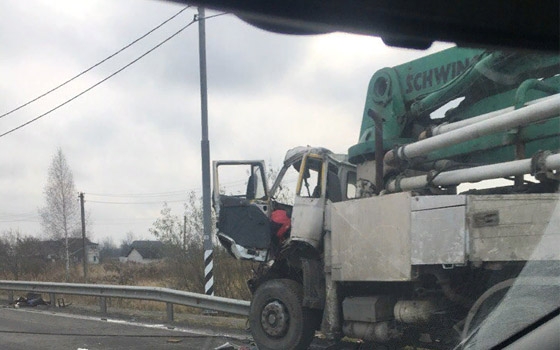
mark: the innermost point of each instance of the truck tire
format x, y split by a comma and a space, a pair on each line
277, 319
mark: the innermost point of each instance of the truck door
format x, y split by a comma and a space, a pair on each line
241, 202
309, 203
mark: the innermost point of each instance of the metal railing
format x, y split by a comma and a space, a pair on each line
104, 291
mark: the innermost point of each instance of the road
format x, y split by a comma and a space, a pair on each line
32, 329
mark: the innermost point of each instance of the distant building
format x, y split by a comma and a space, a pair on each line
144, 252
55, 250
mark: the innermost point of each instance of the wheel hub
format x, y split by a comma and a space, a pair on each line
274, 319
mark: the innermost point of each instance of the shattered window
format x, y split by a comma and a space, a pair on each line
310, 179
241, 180
287, 189
351, 185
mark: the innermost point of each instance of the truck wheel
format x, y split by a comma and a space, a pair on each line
278, 320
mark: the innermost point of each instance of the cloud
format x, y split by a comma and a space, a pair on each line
139, 132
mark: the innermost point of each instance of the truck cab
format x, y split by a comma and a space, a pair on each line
247, 224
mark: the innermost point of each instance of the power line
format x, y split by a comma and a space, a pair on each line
29, 213
123, 223
155, 202
241, 182
99, 82
95, 65
23, 217
217, 15
156, 194
27, 216
18, 220
123, 220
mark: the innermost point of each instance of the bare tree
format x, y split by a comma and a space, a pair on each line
182, 238
61, 215
184, 231
167, 228
109, 250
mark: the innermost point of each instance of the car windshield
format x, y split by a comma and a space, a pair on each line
419, 206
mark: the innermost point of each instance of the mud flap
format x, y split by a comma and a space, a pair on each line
313, 284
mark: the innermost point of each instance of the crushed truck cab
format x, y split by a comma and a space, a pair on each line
246, 227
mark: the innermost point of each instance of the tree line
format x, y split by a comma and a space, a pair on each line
20, 256
24, 256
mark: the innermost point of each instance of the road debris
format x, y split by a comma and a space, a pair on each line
30, 300
229, 346
174, 340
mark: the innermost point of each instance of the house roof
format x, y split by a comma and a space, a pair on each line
148, 249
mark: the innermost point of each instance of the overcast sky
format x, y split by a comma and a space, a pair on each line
139, 132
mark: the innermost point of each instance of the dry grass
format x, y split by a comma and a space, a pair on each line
230, 279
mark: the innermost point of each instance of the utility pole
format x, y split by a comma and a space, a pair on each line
184, 233
67, 253
84, 259
205, 150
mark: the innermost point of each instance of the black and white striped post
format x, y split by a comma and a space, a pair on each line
205, 150
208, 274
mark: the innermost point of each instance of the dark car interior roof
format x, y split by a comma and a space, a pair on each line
528, 24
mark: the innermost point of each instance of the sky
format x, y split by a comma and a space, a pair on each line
133, 141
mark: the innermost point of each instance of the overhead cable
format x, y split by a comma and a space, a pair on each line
154, 202
164, 194
129, 195
216, 15
19, 220
99, 82
94, 66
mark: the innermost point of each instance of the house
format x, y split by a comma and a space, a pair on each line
144, 252
54, 250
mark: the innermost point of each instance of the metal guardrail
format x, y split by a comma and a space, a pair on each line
104, 291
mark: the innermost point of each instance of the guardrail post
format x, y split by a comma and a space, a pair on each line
169, 312
11, 297
103, 304
52, 299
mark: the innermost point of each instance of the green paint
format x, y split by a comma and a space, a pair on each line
406, 95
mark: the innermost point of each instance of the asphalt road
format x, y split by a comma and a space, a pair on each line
30, 329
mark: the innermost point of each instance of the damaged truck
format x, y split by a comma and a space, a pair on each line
387, 244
